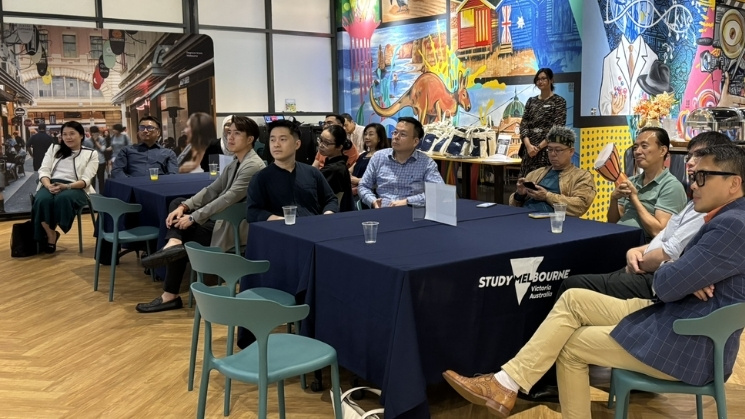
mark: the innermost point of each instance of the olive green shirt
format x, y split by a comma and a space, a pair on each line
664, 193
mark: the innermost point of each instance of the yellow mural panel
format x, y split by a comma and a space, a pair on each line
592, 141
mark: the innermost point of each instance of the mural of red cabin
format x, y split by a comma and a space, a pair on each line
478, 28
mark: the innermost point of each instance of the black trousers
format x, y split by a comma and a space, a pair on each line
201, 234
617, 284
100, 173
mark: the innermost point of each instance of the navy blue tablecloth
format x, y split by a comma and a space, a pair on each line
428, 297
154, 196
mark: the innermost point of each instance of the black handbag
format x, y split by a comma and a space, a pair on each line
22, 243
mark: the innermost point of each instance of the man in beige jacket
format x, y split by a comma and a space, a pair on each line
562, 182
189, 220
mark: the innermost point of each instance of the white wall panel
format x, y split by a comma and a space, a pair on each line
236, 13
67, 7
143, 10
302, 71
50, 22
303, 16
240, 71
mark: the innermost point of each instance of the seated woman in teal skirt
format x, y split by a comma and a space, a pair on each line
64, 182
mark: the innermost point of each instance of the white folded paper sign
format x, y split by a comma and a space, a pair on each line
225, 161
441, 203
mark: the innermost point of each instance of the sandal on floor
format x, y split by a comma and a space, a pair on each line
52, 247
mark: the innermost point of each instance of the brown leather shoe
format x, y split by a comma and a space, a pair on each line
484, 390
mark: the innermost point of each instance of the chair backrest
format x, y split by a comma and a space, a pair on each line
258, 316
718, 325
113, 207
228, 266
233, 214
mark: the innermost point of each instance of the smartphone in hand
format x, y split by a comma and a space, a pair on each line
530, 185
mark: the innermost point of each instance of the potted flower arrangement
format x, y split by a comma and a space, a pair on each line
650, 111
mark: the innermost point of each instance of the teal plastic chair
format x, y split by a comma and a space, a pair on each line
233, 214
230, 268
80, 225
717, 326
116, 208
272, 358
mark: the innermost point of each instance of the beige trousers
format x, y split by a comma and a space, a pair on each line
575, 334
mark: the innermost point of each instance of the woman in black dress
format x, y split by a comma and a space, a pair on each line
542, 112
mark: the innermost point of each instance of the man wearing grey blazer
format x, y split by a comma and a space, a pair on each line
588, 328
189, 219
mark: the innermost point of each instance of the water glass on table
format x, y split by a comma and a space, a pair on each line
370, 229
290, 214
153, 174
557, 222
560, 208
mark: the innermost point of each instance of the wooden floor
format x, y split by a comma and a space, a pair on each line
66, 352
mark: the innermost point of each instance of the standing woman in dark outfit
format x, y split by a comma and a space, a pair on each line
542, 112
332, 142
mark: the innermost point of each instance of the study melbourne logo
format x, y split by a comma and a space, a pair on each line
526, 277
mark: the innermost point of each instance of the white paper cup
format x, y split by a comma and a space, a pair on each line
290, 214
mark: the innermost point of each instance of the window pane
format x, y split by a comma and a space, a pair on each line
58, 86
44, 39
54, 7
84, 89
45, 90
71, 87
312, 16
230, 48
96, 47
32, 86
312, 92
218, 13
69, 46
144, 10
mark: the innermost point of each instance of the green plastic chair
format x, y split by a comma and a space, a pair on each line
233, 214
272, 358
717, 326
80, 225
230, 268
116, 208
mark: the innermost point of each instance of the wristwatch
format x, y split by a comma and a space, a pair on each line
191, 219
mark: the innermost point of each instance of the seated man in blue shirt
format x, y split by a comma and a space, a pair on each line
287, 182
138, 159
395, 176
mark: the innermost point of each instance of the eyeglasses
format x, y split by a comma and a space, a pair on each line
699, 176
541, 79
399, 134
552, 150
148, 128
322, 143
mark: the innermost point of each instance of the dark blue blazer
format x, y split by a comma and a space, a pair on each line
715, 255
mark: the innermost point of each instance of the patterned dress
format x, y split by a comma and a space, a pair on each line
539, 117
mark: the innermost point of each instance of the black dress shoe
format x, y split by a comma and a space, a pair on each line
541, 394
158, 305
164, 256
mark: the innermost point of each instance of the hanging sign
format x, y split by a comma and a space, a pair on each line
102, 69
33, 44
25, 32
42, 65
97, 79
116, 39
47, 78
109, 58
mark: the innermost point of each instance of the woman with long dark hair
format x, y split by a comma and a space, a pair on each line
542, 113
200, 133
331, 144
64, 181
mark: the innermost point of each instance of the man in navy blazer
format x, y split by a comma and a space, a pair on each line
588, 328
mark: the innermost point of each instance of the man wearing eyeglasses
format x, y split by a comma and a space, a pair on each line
560, 183
138, 159
395, 176
588, 328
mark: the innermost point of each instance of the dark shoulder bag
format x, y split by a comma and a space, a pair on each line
22, 243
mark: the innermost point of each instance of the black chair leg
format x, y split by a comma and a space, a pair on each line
317, 385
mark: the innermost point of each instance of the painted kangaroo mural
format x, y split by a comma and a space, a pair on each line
430, 99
